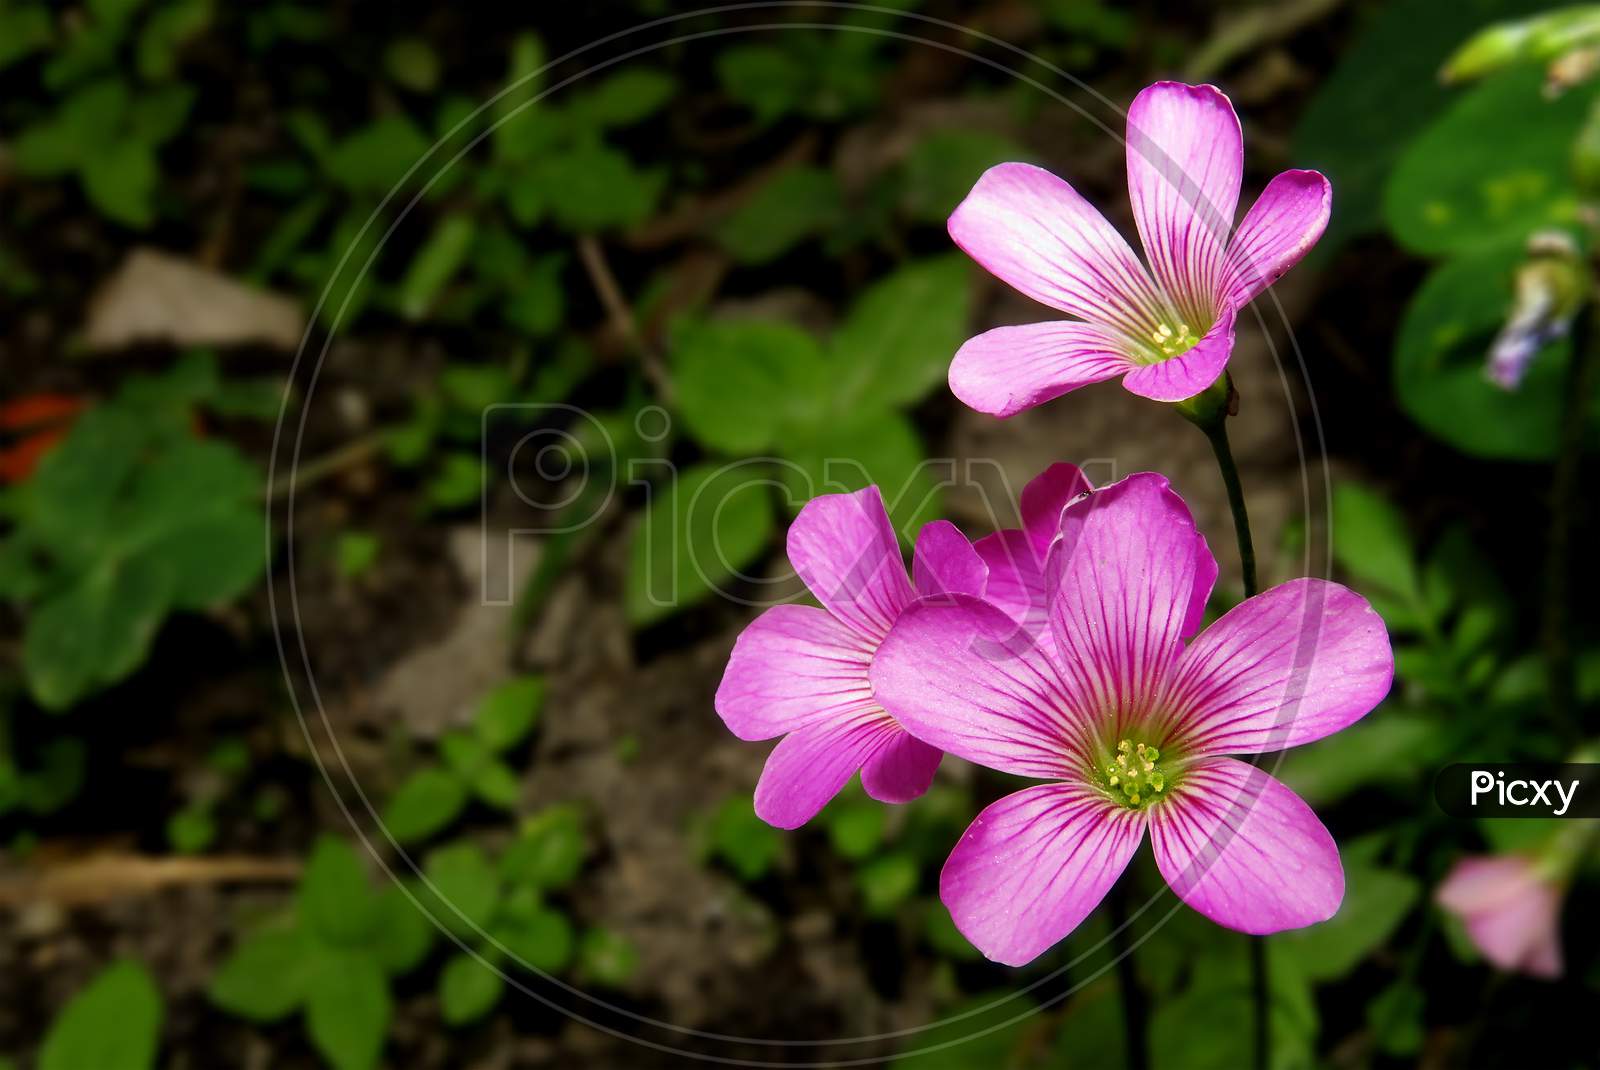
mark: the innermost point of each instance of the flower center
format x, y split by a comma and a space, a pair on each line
1133, 775
1173, 340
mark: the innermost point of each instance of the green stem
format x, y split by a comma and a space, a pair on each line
1209, 411
1217, 434
1565, 493
1135, 1010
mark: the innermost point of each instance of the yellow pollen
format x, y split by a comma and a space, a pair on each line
1172, 342
1132, 777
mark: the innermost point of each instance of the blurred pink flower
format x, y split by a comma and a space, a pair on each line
1168, 330
1132, 727
801, 672
1511, 906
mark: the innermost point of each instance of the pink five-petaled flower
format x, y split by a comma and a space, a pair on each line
801, 672
1131, 726
1511, 909
1168, 330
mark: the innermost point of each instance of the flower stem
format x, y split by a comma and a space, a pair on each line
1209, 411
1135, 1011
1565, 495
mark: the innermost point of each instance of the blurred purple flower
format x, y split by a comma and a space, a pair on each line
801, 672
1132, 727
1511, 906
1167, 331
1549, 288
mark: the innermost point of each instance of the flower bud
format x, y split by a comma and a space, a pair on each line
1547, 38
1549, 288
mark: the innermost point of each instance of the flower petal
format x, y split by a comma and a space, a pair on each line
1185, 375
845, 550
792, 667
1033, 865
961, 676
1016, 558
945, 562
1121, 579
901, 770
1290, 665
1185, 161
1016, 579
1043, 499
1205, 568
1280, 228
1244, 850
1512, 915
1033, 231
808, 767
1009, 369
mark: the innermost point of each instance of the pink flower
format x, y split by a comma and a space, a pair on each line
1512, 911
1167, 331
1132, 727
801, 672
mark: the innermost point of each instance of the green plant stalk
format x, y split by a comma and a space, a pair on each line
1135, 1008
1565, 494
1209, 411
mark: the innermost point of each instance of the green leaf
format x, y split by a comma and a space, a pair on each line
465, 754
1439, 359
543, 940
1383, 92
945, 164
1204, 1021
1375, 902
594, 187
373, 159
861, 450
607, 958
508, 713
1491, 170
165, 33
348, 1010
121, 179
96, 632
403, 935
1371, 542
766, 79
113, 1024
898, 339
1388, 748
793, 205
191, 830
85, 124
695, 537
887, 882
995, 1029
24, 30
747, 844
465, 888
1395, 1016
268, 975
498, 785
335, 901
855, 826
355, 552
740, 383
428, 801
549, 851
458, 482
412, 63
468, 989
630, 95
435, 264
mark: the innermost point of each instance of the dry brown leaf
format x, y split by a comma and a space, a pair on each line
157, 297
